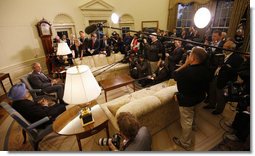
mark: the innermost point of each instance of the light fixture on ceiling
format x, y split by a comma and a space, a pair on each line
202, 17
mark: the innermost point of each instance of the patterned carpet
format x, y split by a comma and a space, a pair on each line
52, 142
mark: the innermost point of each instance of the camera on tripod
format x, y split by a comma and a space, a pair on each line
116, 138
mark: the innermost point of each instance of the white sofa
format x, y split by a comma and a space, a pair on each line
154, 107
97, 62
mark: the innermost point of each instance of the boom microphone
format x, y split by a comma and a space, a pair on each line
90, 29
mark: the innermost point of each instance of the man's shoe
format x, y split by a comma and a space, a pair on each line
215, 112
62, 102
232, 137
228, 124
209, 107
178, 142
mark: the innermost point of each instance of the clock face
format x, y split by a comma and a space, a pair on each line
45, 28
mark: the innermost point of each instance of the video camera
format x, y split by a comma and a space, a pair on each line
116, 138
235, 92
169, 46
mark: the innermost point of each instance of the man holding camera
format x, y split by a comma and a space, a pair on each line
192, 79
154, 51
135, 137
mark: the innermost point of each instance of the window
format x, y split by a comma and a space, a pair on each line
185, 15
222, 15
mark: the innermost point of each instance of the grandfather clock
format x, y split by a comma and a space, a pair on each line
45, 33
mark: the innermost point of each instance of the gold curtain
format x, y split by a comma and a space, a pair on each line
173, 7
238, 10
246, 44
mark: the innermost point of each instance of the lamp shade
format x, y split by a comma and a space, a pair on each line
63, 49
80, 85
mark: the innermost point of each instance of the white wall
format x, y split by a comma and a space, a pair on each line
20, 44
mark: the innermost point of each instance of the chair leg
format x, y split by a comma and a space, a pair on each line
24, 136
36, 144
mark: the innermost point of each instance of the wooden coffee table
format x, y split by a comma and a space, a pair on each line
113, 83
69, 123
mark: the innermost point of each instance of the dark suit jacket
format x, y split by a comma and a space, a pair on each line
228, 71
155, 51
33, 112
38, 81
174, 58
161, 75
96, 47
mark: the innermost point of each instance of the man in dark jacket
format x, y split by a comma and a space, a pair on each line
30, 110
93, 46
192, 79
161, 74
224, 74
154, 51
39, 80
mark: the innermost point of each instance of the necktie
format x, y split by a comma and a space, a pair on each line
44, 76
93, 43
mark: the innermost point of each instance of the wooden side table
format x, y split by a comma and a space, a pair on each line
118, 81
69, 123
2, 77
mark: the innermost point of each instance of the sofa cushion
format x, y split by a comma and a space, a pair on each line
141, 93
118, 57
100, 60
137, 107
115, 104
88, 60
171, 82
166, 95
110, 59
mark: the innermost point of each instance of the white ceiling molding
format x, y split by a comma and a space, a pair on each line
126, 18
63, 19
96, 5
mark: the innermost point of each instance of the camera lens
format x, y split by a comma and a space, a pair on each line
103, 141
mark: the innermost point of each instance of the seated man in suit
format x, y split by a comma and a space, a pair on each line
134, 137
40, 81
161, 74
33, 111
93, 46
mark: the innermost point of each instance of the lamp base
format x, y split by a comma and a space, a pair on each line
86, 116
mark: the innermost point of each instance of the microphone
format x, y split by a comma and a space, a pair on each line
90, 29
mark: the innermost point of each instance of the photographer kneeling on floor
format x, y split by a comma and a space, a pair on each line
134, 137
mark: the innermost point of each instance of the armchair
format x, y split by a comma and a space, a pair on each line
35, 135
37, 94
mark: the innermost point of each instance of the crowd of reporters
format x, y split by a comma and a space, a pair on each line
155, 57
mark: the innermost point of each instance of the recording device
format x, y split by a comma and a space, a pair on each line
93, 27
115, 140
235, 92
169, 46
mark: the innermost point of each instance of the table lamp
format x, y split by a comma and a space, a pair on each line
63, 50
81, 87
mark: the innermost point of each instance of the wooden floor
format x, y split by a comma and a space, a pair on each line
208, 134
